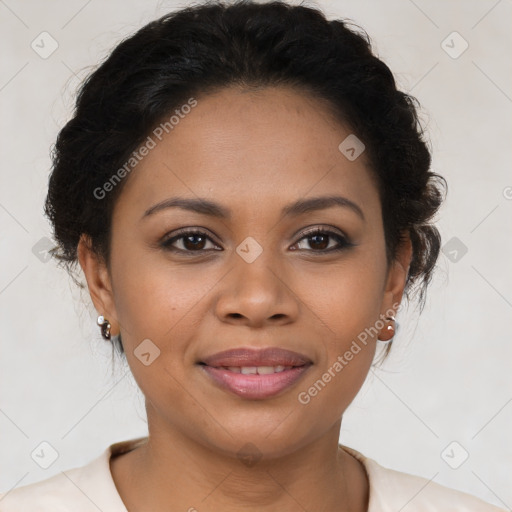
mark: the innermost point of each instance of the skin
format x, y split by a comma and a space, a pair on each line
254, 152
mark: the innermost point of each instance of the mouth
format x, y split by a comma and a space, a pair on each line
255, 374
256, 370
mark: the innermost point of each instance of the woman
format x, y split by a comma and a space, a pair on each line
250, 198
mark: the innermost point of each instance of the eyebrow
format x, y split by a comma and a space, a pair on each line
299, 207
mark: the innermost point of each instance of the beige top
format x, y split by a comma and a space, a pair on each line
91, 488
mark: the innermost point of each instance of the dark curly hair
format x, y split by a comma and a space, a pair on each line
203, 48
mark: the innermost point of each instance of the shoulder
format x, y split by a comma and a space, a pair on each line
88, 488
54, 494
392, 490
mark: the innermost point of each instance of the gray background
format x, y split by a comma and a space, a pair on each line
448, 378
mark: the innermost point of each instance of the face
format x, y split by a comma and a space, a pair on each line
263, 267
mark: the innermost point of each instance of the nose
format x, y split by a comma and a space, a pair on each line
256, 294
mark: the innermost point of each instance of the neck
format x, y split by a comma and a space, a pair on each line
172, 471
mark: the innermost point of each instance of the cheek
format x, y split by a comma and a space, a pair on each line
164, 302
347, 298
158, 303
341, 370
154, 300
347, 303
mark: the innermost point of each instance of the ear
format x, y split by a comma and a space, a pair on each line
98, 282
397, 276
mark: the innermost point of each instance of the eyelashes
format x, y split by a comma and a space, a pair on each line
316, 233
167, 243
193, 242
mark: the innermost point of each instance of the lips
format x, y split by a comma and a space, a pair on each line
272, 356
255, 374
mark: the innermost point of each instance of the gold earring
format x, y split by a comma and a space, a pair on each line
105, 327
390, 330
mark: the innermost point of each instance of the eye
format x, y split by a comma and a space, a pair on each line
194, 240
319, 239
191, 240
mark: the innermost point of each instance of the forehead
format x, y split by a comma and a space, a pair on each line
248, 146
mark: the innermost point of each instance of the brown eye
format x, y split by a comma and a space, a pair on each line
188, 241
320, 240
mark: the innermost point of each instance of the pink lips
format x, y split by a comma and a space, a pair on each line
256, 386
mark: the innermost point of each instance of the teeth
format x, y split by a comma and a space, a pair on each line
260, 370
265, 370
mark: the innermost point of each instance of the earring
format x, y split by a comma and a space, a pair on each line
105, 327
390, 330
